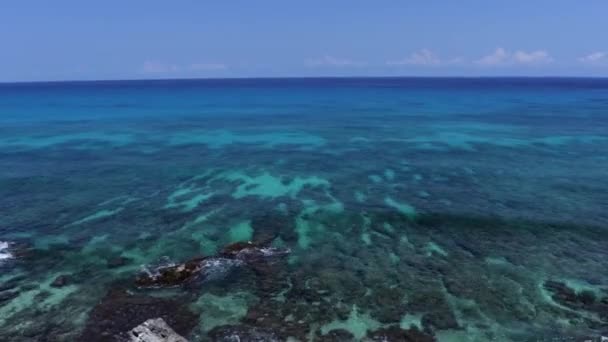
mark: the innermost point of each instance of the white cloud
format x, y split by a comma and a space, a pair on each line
330, 61
533, 57
594, 58
500, 56
157, 67
422, 57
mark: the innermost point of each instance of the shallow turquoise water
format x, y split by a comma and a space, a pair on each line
446, 204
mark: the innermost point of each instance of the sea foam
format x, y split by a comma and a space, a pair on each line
4, 252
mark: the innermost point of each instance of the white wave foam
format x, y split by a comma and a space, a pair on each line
4, 252
217, 268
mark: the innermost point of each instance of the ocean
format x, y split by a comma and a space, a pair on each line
422, 209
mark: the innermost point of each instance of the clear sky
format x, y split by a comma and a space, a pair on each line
134, 39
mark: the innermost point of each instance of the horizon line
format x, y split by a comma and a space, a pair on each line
299, 77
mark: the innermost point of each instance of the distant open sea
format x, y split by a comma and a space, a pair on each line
413, 209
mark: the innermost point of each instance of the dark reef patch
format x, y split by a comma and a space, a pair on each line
120, 311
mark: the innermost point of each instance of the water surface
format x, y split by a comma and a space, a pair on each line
471, 209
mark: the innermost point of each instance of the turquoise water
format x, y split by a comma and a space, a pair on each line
462, 209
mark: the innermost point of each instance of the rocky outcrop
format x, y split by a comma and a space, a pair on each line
119, 311
204, 268
172, 275
154, 330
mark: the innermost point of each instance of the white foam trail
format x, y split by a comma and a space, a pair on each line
4, 252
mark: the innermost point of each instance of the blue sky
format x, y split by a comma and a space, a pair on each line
112, 39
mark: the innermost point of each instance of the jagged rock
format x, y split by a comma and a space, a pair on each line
119, 311
60, 281
396, 334
173, 275
205, 268
154, 330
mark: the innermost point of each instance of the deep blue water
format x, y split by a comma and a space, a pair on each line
453, 208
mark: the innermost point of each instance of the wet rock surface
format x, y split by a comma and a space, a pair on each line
154, 330
119, 311
236, 254
169, 276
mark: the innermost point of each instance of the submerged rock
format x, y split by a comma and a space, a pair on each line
172, 275
117, 262
119, 311
154, 330
251, 252
336, 335
395, 333
208, 268
6, 296
242, 333
61, 281
583, 300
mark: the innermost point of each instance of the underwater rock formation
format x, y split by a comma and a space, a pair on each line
251, 252
117, 262
583, 300
208, 268
336, 335
395, 333
242, 333
61, 281
154, 330
119, 311
173, 275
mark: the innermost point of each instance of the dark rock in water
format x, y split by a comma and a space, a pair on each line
251, 252
336, 335
586, 297
119, 311
584, 300
267, 227
439, 320
242, 333
205, 268
60, 281
561, 292
118, 262
7, 286
154, 330
5, 296
395, 333
173, 275
232, 250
